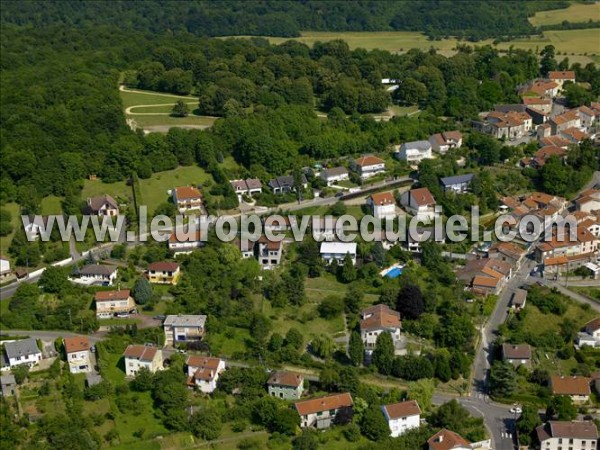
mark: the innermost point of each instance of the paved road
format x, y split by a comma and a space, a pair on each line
49, 335
574, 295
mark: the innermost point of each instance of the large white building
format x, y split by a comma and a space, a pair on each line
555, 435
414, 152
77, 350
383, 205
337, 251
203, 372
142, 356
419, 203
402, 416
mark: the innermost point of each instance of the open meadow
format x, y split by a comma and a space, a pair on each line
575, 13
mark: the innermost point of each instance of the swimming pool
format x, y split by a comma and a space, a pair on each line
394, 272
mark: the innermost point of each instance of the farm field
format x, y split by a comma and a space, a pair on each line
575, 13
575, 43
151, 111
5, 241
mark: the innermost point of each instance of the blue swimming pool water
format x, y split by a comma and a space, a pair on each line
394, 273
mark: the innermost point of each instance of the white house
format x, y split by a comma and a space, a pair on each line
321, 413
383, 205
186, 198
103, 205
588, 200
576, 435
378, 319
184, 328
337, 251
414, 152
516, 354
23, 351
458, 184
402, 416
114, 303
4, 267
442, 142
77, 350
420, 203
369, 166
248, 186
593, 328
332, 176
587, 116
203, 372
142, 356
98, 274
560, 77
269, 252
185, 244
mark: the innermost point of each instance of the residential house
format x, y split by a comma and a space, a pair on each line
8, 385
383, 205
203, 372
414, 152
585, 244
486, 275
246, 248
325, 228
542, 155
420, 203
333, 175
103, 205
458, 184
587, 117
593, 328
285, 385
186, 243
539, 103
247, 187
402, 416
5, 271
517, 355
562, 435
560, 77
23, 351
379, 319
568, 119
142, 357
448, 140
79, 357
507, 251
507, 125
538, 117
269, 252
164, 272
337, 251
574, 135
368, 166
590, 335
184, 328
321, 413
187, 198
278, 223
413, 242
114, 303
285, 184
449, 440
553, 140
518, 299
578, 388
588, 201
540, 88
98, 274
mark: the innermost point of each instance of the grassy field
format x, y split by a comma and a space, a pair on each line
14, 211
576, 42
577, 12
51, 205
591, 292
151, 111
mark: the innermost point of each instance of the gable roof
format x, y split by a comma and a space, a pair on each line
562, 429
95, 203
98, 269
285, 181
512, 351
140, 352
335, 171
164, 266
383, 198
22, 347
368, 160
422, 196
457, 179
379, 317
105, 296
402, 409
187, 193
183, 320
206, 367
570, 385
446, 440
592, 325
421, 146
561, 75
77, 344
327, 403
509, 249
285, 378
555, 140
536, 101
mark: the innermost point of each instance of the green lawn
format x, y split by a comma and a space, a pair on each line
168, 121
51, 205
139, 97
577, 12
591, 292
96, 187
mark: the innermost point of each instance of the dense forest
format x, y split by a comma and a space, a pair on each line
437, 18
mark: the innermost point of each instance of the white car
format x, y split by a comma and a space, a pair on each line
516, 410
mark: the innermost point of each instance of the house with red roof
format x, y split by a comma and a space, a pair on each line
322, 412
449, 440
402, 416
383, 205
77, 350
285, 384
139, 357
186, 198
448, 140
420, 203
560, 77
163, 272
555, 435
578, 388
378, 319
203, 372
114, 303
368, 166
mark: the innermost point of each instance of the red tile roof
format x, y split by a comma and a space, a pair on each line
206, 367
330, 402
402, 409
187, 193
383, 198
140, 352
379, 317
570, 385
446, 440
164, 266
105, 296
285, 378
561, 75
77, 344
369, 160
422, 196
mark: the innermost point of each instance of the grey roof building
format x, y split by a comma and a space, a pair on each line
22, 348
458, 183
185, 321
8, 385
